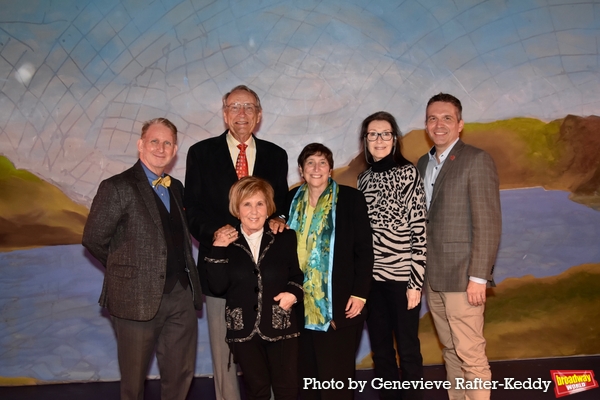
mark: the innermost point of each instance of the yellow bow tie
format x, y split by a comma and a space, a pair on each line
166, 181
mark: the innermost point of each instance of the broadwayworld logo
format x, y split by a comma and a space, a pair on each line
572, 381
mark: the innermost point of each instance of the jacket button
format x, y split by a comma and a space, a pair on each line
162, 277
256, 307
256, 271
256, 290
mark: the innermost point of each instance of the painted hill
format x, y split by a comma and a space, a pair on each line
531, 317
561, 154
35, 213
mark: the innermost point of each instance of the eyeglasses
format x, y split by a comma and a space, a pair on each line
372, 136
236, 108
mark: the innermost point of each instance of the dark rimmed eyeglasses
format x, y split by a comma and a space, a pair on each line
372, 136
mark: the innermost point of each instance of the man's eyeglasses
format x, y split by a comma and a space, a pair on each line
236, 108
372, 136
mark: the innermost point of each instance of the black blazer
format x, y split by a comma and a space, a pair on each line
125, 233
210, 173
250, 287
352, 254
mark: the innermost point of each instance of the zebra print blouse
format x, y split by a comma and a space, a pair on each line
396, 204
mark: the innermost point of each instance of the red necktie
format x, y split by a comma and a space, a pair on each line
241, 165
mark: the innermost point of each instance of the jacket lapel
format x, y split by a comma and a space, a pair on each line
177, 199
261, 162
266, 241
448, 166
147, 195
223, 161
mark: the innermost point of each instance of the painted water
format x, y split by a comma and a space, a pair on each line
52, 329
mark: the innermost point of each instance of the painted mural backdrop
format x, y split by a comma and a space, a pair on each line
78, 78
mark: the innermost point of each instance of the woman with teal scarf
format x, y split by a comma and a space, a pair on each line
335, 250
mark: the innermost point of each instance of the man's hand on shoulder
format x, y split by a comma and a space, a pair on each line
277, 225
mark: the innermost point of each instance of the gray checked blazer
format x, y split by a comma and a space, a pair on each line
124, 232
464, 219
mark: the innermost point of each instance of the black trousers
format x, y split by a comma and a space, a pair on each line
327, 356
268, 364
389, 319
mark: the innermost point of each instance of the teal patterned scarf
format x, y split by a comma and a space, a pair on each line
318, 310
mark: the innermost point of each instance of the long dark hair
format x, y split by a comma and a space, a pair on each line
397, 147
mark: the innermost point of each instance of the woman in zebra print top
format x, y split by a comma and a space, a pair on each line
395, 199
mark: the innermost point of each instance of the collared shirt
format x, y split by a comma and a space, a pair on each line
254, 242
162, 191
433, 170
232, 144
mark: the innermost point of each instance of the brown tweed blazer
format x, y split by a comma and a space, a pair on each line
125, 233
464, 219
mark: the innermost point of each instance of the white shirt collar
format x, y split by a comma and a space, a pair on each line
232, 141
442, 156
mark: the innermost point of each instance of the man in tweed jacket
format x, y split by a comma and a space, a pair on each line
463, 234
137, 229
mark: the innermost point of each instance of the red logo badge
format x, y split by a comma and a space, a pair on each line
572, 381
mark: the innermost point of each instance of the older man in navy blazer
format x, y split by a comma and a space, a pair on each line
213, 166
137, 229
463, 234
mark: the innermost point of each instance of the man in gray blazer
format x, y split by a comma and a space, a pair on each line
137, 229
463, 234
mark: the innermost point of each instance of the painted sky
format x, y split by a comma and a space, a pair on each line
79, 77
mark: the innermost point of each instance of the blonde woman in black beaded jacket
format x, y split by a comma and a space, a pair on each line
258, 273
397, 210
